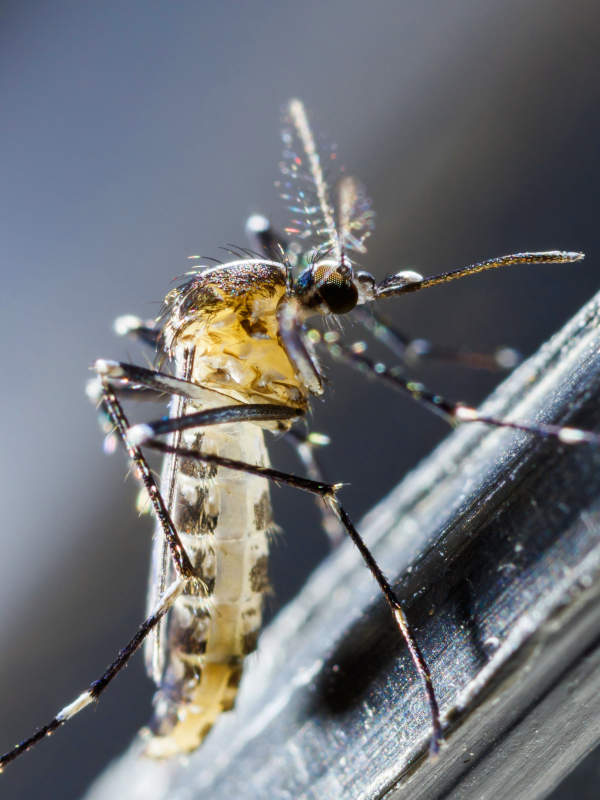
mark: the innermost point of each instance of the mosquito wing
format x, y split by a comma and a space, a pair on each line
304, 187
355, 215
161, 576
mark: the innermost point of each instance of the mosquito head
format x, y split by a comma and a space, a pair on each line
328, 287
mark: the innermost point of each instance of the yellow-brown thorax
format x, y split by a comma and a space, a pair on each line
228, 317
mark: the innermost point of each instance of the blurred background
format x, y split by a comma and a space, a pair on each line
135, 134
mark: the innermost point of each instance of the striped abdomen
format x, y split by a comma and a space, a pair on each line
223, 518
221, 332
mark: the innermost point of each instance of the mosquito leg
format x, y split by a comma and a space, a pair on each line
251, 412
304, 445
416, 655
96, 688
298, 345
144, 331
413, 350
452, 412
135, 381
327, 492
264, 237
130, 381
118, 420
123, 376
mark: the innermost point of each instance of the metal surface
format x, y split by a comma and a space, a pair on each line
495, 543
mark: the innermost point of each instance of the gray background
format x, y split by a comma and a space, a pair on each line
136, 134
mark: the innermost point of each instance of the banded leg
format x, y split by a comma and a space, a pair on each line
95, 689
304, 445
298, 345
134, 382
143, 434
453, 412
123, 377
116, 416
130, 381
411, 351
143, 331
265, 238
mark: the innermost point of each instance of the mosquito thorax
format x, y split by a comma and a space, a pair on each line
331, 288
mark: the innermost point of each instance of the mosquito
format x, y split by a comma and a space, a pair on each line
236, 358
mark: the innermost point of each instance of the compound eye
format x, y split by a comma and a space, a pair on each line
339, 294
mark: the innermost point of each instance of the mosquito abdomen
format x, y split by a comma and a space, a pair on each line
224, 521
